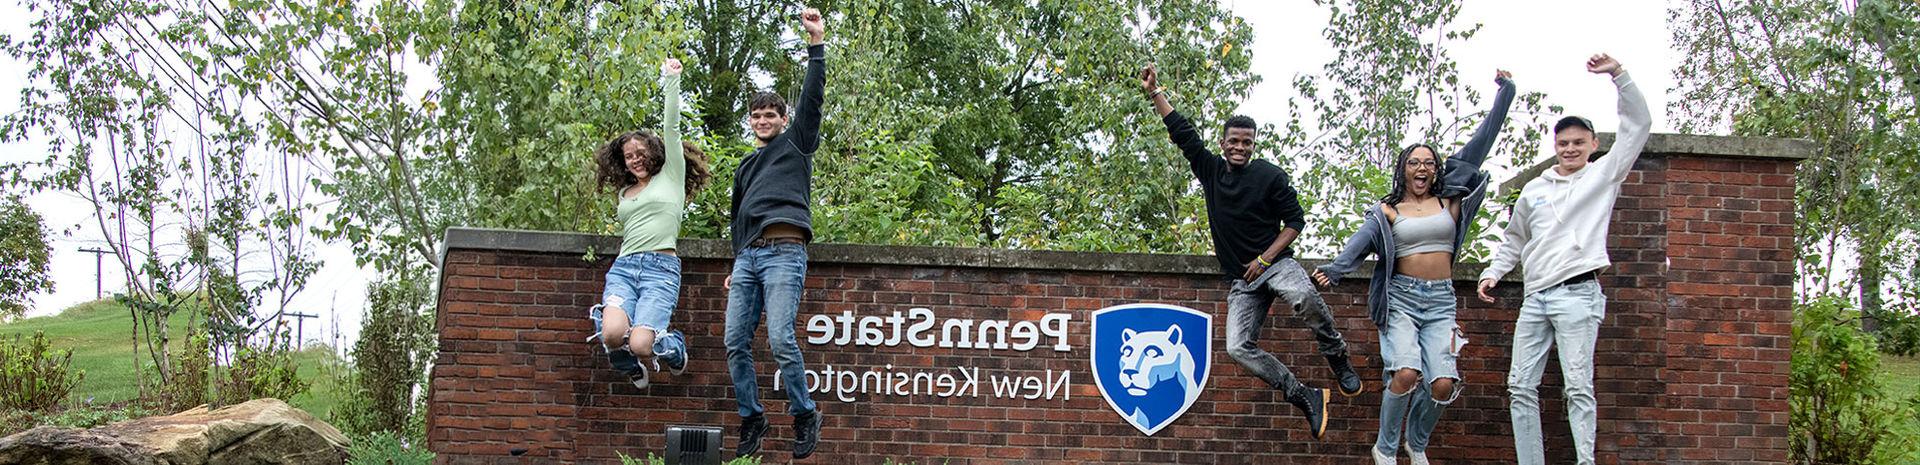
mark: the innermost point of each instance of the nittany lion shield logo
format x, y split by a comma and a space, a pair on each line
1150, 361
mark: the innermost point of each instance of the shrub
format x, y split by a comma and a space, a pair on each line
187, 387
390, 359
657, 460
261, 371
1900, 329
386, 448
32, 378
1840, 412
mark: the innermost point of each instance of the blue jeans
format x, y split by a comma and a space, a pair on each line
646, 287
1568, 315
1420, 334
767, 281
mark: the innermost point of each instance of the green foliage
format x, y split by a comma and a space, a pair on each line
193, 366
154, 115
654, 460
387, 448
1024, 126
396, 342
76, 416
1899, 333
1391, 84
34, 378
23, 257
1843, 75
1840, 412
258, 371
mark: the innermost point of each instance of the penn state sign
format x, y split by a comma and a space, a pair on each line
1151, 361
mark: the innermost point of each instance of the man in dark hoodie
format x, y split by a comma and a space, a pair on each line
771, 229
1255, 215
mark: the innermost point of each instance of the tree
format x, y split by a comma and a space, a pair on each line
1842, 74
1393, 83
1015, 125
156, 122
23, 257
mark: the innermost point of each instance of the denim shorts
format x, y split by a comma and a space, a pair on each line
646, 286
1421, 332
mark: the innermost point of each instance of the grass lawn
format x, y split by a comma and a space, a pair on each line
100, 333
1901, 374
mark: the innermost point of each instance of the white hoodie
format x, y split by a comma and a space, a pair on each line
1559, 224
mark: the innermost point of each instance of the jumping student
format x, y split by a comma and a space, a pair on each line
652, 181
771, 228
1559, 233
1255, 215
1422, 224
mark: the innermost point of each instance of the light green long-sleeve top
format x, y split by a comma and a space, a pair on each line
650, 219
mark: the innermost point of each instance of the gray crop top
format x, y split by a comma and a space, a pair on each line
1422, 234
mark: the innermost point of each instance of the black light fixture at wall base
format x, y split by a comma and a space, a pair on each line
693, 445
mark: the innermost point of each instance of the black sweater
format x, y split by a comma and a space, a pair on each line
1246, 206
775, 182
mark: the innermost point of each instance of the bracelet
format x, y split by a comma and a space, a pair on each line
1263, 261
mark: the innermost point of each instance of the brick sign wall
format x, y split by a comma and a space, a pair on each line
1692, 361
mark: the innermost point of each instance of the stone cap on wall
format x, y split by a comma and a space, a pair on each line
1685, 145
461, 238
1659, 145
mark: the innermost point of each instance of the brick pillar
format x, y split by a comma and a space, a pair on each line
1729, 305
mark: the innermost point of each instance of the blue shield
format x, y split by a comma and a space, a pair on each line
1151, 361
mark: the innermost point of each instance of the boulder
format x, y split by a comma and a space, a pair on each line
261, 431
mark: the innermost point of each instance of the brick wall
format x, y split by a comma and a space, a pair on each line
1691, 365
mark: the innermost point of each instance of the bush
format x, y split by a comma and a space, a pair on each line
33, 379
187, 387
390, 359
261, 371
1899, 333
386, 448
81, 416
657, 460
1840, 412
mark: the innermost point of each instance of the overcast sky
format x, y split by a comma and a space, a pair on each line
1544, 43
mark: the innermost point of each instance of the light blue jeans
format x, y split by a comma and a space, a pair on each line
767, 281
1569, 315
646, 287
1420, 334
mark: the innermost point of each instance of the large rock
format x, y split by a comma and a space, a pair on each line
262, 431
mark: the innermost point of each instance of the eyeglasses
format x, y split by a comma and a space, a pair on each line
1420, 163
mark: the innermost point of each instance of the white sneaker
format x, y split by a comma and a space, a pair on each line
1419, 458
1382, 459
639, 376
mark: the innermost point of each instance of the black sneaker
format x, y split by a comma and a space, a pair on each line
1350, 384
751, 430
1313, 403
806, 434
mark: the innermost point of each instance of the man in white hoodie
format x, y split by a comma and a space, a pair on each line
1559, 232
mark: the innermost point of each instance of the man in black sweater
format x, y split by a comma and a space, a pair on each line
771, 228
1255, 215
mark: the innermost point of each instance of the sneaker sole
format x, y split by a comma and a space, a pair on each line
1326, 400
1350, 395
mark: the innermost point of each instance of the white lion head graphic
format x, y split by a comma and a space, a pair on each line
1149, 358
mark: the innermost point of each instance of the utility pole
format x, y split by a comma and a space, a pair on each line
300, 327
98, 291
